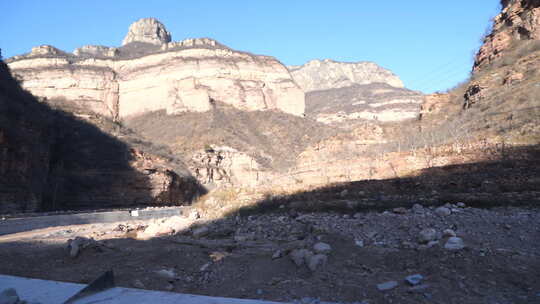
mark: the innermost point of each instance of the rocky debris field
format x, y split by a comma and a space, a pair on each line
446, 254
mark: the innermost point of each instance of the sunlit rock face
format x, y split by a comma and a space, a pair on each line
328, 74
519, 20
147, 30
150, 73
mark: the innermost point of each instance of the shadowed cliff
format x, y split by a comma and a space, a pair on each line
53, 160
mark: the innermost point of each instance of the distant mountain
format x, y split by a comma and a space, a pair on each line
328, 74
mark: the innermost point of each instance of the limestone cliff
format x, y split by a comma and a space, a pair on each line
149, 73
53, 160
328, 74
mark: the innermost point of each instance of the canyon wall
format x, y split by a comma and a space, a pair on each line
149, 73
53, 160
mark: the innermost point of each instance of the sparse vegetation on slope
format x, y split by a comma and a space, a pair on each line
273, 138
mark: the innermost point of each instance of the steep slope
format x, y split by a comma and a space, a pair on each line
493, 118
251, 145
53, 160
149, 73
501, 101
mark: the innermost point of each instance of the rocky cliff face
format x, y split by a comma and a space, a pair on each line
328, 74
52, 160
518, 21
150, 73
148, 30
503, 91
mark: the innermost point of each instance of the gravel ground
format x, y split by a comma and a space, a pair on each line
272, 256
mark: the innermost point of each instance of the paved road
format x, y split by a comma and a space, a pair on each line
15, 225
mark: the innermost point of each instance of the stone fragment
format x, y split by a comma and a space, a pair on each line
432, 243
205, 267
443, 211
300, 256
414, 279
454, 243
387, 285
168, 274
317, 261
460, 205
322, 247
427, 235
359, 243
449, 233
75, 246
194, 215
277, 254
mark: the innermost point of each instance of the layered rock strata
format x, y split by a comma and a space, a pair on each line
374, 102
150, 73
328, 74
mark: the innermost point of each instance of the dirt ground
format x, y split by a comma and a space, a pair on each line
250, 256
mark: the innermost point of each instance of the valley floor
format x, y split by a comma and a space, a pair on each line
260, 256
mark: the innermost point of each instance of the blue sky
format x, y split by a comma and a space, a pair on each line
428, 43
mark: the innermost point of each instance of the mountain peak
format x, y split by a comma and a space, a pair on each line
148, 30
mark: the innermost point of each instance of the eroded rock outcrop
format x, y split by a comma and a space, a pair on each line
328, 74
148, 30
151, 73
519, 20
225, 166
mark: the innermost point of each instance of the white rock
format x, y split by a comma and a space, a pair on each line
414, 279
443, 211
300, 256
359, 243
317, 261
449, 233
138, 284
322, 248
427, 235
204, 267
194, 215
387, 285
454, 243
168, 274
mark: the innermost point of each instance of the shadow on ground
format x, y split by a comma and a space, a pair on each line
237, 257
